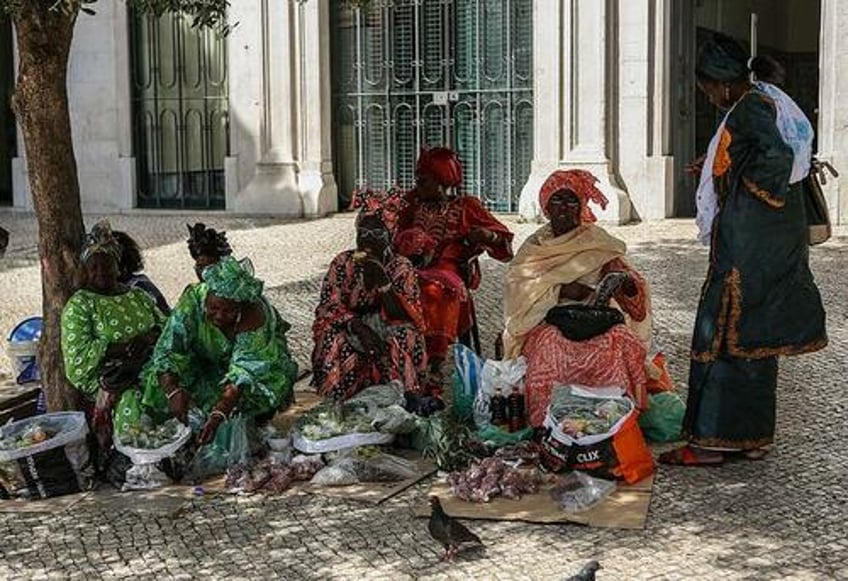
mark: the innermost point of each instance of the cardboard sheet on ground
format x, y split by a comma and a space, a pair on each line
626, 508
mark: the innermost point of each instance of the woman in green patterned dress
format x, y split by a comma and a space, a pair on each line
108, 331
223, 350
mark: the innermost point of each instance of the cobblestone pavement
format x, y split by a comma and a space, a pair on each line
780, 518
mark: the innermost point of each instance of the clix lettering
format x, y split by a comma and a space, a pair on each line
590, 456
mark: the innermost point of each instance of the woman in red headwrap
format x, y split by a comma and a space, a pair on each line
443, 233
564, 263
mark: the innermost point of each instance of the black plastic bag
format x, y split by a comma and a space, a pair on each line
582, 322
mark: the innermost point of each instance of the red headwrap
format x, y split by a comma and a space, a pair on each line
441, 163
581, 183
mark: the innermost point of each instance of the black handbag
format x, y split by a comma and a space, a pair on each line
582, 322
815, 204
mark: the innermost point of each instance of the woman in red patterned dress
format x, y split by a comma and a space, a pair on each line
563, 263
443, 233
368, 325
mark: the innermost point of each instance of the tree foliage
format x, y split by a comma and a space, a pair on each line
205, 13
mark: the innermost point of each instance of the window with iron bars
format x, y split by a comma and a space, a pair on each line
409, 74
180, 112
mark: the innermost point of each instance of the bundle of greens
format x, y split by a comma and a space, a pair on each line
146, 436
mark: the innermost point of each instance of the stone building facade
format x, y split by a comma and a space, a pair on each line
306, 100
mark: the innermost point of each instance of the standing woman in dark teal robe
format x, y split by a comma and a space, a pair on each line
759, 300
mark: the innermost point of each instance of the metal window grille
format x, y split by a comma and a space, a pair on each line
180, 111
421, 73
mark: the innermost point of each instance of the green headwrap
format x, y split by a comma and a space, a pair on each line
233, 279
99, 240
722, 59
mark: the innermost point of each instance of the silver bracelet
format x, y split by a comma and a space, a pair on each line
220, 413
173, 393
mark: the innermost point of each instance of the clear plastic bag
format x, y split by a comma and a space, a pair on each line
175, 432
354, 466
496, 374
577, 491
394, 419
144, 477
230, 447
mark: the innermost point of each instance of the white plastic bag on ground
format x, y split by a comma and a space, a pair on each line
144, 475
56, 466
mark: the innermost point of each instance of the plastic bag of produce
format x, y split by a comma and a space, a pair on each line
595, 431
577, 491
364, 465
230, 447
375, 397
663, 420
394, 420
45, 456
327, 428
147, 445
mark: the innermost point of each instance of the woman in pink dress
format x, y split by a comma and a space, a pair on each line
563, 263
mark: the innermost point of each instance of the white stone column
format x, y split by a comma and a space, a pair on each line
642, 140
574, 81
316, 181
273, 188
833, 94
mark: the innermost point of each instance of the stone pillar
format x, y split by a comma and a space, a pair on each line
642, 140
273, 188
282, 111
574, 84
317, 183
833, 94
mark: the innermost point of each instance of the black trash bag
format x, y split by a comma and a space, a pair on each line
582, 322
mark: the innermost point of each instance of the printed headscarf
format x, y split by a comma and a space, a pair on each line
384, 204
207, 241
722, 59
581, 183
233, 279
441, 163
100, 240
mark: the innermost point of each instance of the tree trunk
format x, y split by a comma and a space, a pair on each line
40, 103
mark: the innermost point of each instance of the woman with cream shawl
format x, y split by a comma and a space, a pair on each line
563, 263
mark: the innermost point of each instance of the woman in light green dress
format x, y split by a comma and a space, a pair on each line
108, 331
223, 351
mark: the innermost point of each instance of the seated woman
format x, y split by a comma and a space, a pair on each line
443, 233
108, 331
131, 266
561, 264
207, 246
369, 325
223, 350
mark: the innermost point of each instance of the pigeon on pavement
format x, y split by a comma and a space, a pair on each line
449, 532
587, 573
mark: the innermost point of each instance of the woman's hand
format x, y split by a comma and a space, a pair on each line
574, 291
371, 342
210, 428
178, 399
694, 167
373, 274
481, 237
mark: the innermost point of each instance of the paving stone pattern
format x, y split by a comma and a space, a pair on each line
780, 518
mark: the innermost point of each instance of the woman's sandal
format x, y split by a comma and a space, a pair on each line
686, 456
